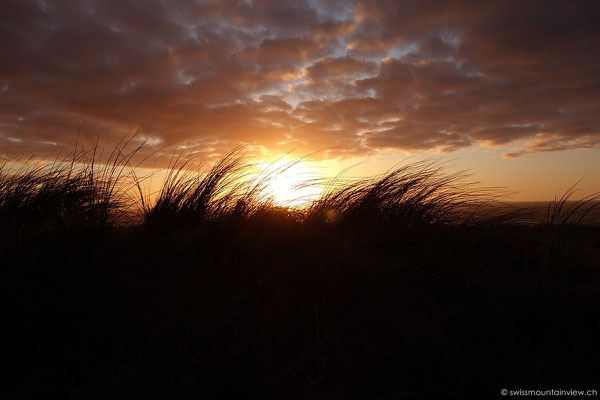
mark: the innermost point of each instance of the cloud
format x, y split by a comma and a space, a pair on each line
339, 68
354, 77
553, 143
511, 155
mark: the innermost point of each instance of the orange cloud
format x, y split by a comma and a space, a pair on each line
353, 77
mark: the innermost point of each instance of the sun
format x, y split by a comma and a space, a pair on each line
292, 183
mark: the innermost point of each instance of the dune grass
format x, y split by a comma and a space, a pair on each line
413, 284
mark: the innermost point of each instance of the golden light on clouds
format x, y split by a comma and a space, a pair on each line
357, 77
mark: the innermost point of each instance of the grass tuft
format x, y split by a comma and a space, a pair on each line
381, 288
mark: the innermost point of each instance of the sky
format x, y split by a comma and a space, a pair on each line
507, 89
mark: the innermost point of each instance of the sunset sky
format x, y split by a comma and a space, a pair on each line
509, 89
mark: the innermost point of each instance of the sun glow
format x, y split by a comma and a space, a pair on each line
291, 183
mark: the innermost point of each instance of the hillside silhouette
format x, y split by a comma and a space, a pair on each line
413, 284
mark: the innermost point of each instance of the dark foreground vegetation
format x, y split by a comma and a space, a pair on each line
406, 286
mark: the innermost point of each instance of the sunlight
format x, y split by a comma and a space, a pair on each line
292, 182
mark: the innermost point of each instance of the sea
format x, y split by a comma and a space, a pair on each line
533, 212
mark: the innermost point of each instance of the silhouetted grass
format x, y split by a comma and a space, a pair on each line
413, 284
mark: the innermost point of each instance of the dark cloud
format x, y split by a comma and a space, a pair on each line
353, 77
339, 68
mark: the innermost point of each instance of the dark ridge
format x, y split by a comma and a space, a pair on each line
414, 284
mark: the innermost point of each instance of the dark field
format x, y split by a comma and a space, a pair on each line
411, 285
